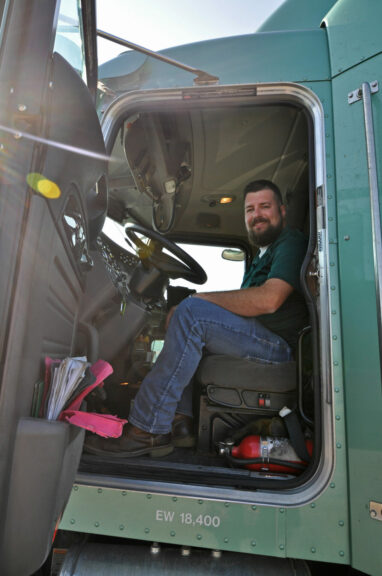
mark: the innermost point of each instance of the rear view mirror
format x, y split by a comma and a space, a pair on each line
233, 254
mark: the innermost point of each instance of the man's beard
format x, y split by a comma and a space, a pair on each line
267, 236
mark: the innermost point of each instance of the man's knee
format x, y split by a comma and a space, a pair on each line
190, 311
184, 309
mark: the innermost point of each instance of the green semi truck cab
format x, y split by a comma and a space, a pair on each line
165, 144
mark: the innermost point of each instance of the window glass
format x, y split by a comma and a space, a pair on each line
221, 274
69, 36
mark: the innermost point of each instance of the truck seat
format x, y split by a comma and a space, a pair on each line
233, 390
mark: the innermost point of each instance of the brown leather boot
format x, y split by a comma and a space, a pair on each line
133, 442
183, 431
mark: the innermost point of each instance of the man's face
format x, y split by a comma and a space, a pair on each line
264, 217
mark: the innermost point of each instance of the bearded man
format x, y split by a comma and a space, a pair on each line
259, 321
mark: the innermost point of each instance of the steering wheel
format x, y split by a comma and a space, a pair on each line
151, 255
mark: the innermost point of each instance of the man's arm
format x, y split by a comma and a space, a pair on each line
253, 301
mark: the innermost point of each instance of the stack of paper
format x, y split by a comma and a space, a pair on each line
67, 380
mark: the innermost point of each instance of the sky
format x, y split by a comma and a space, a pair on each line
159, 24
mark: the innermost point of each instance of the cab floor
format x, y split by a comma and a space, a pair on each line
183, 465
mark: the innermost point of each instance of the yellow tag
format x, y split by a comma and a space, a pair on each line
43, 186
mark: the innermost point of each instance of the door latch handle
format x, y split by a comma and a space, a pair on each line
314, 274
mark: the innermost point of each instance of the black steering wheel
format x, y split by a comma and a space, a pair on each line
151, 254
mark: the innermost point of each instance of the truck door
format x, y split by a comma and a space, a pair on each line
355, 47
52, 202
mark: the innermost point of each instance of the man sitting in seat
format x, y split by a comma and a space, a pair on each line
259, 321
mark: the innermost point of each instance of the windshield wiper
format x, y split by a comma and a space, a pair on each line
202, 77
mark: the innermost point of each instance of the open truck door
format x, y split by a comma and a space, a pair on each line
53, 198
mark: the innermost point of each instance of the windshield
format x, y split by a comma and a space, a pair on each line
221, 274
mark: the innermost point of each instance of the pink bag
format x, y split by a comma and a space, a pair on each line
104, 425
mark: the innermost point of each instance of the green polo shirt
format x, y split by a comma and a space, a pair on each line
283, 260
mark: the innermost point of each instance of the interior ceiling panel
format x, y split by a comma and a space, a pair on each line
242, 143
228, 147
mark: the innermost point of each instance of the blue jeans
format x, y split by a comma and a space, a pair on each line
197, 326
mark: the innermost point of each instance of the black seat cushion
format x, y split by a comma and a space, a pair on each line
245, 384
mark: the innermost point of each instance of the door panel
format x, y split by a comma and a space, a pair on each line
50, 132
355, 46
45, 459
362, 348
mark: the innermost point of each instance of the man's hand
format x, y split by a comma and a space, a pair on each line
253, 301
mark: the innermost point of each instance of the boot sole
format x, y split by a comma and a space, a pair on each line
187, 442
161, 451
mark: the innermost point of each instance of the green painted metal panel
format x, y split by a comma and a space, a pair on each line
297, 14
161, 518
268, 57
363, 391
354, 32
268, 531
320, 531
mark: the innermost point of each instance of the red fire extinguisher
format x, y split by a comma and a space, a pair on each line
268, 453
